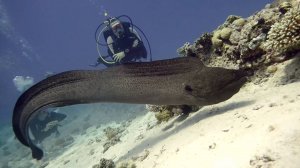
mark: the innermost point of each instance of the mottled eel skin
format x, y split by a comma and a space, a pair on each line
167, 82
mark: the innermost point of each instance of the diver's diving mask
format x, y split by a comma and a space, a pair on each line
117, 28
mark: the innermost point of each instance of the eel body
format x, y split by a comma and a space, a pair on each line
167, 82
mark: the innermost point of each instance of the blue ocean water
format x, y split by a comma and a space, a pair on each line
37, 37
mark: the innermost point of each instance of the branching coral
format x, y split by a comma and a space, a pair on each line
284, 36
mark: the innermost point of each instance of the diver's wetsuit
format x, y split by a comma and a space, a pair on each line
36, 126
126, 43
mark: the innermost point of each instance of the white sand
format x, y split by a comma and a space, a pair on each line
258, 127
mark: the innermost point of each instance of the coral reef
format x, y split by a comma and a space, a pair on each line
284, 36
113, 136
112, 133
126, 164
108, 163
164, 115
284, 7
267, 37
165, 112
105, 163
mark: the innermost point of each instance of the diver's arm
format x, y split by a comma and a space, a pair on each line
110, 42
116, 56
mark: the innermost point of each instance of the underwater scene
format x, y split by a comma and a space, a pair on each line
157, 84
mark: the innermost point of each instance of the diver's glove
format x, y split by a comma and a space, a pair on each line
51, 125
119, 56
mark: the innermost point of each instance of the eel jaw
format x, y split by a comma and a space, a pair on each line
230, 89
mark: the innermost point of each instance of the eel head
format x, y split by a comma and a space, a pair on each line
217, 86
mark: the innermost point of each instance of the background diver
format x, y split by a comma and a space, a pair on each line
45, 124
123, 42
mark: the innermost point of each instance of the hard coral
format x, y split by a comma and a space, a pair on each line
238, 23
126, 164
254, 43
204, 44
105, 163
284, 36
184, 49
166, 112
284, 7
164, 116
225, 33
216, 39
111, 133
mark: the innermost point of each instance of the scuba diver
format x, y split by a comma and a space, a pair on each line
44, 124
122, 40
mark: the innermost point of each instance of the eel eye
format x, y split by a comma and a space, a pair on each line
188, 88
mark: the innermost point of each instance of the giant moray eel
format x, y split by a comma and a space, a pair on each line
167, 82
